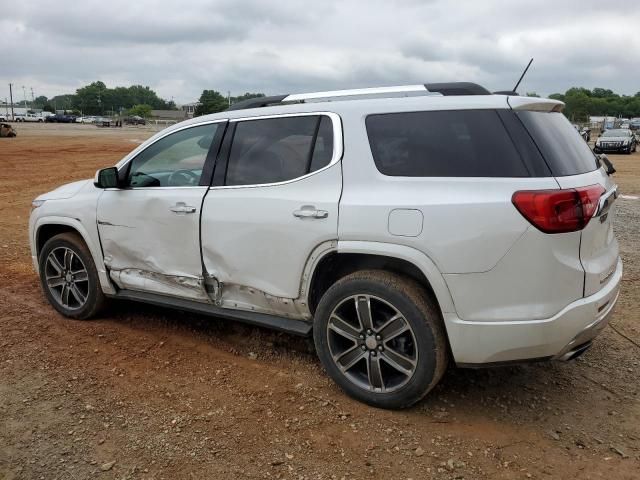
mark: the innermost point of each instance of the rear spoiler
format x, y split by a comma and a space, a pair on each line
535, 104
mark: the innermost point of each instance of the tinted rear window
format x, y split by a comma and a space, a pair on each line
564, 150
279, 149
456, 143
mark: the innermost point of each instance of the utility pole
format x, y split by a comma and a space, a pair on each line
24, 94
11, 96
33, 100
229, 97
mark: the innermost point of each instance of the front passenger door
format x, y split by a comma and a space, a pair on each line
149, 229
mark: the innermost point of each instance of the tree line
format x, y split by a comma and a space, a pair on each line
97, 99
580, 103
212, 101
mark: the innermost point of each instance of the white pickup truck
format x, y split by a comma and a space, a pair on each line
29, 117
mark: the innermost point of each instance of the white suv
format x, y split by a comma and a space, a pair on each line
403, 227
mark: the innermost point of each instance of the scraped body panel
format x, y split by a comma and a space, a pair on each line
147, 246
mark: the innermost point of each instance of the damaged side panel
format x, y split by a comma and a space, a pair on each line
149, 247
175, 286
242, 297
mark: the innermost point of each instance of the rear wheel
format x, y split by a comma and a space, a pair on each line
69, 277
380, 338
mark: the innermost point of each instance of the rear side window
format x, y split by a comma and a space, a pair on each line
279, 149
456, 143
564, 150
323, 149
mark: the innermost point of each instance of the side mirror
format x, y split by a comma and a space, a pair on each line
107, 178
606, 163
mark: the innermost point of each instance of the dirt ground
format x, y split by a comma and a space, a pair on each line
149, 393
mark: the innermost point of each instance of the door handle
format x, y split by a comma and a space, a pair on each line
182, 208
309, 211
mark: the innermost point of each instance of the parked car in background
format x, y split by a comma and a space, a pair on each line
103, 122
616, 140
3, 118
29, 117
61, 118
135, 120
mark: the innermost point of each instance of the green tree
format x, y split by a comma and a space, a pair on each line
40, 102
582, 103
211, 101
92, 98
97, 98
142, 110
602, 93
577, 105
246, 96
63, 102
48, 108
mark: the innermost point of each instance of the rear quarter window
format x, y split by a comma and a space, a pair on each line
562, 147
452, 143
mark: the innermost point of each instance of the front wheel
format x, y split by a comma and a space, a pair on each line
69, 277
381, 338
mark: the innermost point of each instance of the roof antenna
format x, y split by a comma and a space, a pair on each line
515, 89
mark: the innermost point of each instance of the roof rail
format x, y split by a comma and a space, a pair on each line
457, 88
257, 102
396, 91
440, 89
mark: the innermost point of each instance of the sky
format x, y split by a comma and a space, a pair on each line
179, 48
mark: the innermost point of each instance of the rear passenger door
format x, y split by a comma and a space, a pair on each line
275, 194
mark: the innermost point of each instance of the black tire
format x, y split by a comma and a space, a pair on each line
90, 289
425, 343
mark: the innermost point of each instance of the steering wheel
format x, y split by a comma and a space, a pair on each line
181, 178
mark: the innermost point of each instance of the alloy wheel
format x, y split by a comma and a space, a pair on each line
67, 278
372, 343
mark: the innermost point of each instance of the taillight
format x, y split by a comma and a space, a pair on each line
558, 211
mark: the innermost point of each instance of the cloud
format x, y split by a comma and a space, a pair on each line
181, 48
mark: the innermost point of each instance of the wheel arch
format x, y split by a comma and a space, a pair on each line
50, 230
351, 256
48, 227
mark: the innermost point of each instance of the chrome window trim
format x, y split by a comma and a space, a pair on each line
338, 147
129, 158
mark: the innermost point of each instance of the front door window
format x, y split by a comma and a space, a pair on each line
176, 160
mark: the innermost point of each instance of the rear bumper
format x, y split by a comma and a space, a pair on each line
561, 337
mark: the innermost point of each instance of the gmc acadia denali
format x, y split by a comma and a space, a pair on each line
402, 227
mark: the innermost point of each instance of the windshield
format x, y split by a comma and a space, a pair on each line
616, 133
